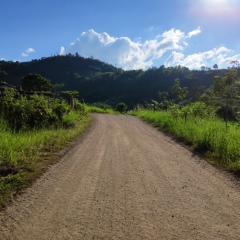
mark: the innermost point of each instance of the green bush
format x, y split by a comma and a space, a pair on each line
35, 111
79, 106
121, 107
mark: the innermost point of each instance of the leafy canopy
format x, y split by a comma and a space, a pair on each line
35, 82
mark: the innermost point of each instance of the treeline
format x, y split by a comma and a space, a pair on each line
97, 81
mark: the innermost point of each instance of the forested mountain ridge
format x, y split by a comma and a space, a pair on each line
54, 68
97, 81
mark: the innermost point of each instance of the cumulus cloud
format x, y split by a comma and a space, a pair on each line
127, 53
27, 52
197, 60
121, 51
135, 54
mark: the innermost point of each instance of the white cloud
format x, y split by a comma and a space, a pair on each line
27, 52
121, 51
172, 39
124, 52
24, 54
194, 32
30, 50
226, 60
62, 51
197, 60
134, 54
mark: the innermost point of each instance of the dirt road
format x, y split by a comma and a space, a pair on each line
126, 180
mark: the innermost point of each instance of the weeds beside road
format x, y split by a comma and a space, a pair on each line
207, 136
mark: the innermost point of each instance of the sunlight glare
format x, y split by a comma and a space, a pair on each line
215, 3
224, 11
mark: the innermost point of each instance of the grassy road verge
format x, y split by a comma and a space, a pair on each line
207, 136
25, 156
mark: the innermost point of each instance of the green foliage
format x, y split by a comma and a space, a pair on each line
35, 111
98, 108
153, 105
195, 109
35, 82
181, 93
79, 106
225, 93
226, 86
121, 107
102, 105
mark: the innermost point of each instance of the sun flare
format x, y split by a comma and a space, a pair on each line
217, 3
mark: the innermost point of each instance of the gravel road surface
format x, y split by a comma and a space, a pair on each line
126, 180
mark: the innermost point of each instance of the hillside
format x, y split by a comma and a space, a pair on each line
97, 81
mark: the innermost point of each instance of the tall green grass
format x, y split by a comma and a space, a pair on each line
22, 153
17, 149
95, 109
208, 136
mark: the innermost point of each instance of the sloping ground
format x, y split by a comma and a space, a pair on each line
125, 180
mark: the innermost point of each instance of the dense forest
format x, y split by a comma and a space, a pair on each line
97, 81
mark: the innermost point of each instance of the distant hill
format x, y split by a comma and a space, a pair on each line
57, 68
97, 81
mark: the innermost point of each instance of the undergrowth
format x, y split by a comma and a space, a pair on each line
95, 109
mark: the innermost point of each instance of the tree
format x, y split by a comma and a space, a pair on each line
121, 107
226, 90
70, 97
35, 82
164, 102
162, 95
215, 66
180, 92
235, 63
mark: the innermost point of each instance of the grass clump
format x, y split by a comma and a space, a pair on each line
96, 108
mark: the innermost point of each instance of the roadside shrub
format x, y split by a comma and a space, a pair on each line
35, 111
102, 105
79, 106
121, 107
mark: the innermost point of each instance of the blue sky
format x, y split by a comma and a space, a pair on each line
130, 34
